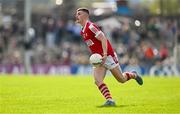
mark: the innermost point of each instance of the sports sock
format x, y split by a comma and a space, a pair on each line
105, 91
129, 75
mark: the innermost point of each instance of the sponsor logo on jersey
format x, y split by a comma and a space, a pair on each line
89, 42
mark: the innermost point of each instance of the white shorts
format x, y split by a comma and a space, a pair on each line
111, 62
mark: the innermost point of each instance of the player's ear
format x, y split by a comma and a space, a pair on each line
86, 14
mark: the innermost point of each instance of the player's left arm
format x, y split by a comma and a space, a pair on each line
103, 40
101, 37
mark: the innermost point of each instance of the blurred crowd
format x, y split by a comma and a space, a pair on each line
53, 41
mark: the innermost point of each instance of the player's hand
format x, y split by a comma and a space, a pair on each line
104, 58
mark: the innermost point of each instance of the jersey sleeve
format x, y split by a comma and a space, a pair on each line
95, 30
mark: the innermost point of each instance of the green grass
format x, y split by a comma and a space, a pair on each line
79, 95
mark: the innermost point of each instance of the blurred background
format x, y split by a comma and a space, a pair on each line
40, 36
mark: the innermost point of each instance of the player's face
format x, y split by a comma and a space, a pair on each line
80, 16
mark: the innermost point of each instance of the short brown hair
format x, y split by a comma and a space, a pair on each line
84, 10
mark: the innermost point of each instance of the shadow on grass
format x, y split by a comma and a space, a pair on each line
117, 106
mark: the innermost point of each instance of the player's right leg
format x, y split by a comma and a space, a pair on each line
99, 75
112, 64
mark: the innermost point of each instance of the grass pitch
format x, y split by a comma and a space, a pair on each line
79, 95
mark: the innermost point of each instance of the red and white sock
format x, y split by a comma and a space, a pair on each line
105, 91
129, 75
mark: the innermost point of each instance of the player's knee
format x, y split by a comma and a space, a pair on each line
121, 81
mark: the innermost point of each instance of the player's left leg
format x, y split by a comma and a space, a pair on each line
99, 75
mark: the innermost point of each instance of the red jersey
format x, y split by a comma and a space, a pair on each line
90, 33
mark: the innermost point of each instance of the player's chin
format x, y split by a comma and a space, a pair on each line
77, 21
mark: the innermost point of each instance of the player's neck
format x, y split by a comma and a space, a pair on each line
84, 23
